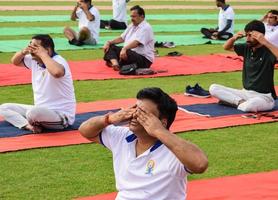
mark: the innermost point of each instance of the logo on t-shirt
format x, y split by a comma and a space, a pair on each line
150, 167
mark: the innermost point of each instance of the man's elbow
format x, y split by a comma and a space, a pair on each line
200, 166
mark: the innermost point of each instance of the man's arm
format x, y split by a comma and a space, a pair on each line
131, 45
73, 16
262, 40
229, 45
85, 8
91, 128
18, 57
54, 68
190, 155
107, 45
228, 25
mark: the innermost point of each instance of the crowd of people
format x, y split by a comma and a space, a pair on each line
149, 161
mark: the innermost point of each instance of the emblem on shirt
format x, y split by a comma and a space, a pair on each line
150, 167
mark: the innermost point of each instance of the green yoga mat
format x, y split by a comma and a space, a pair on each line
156, 28
56, 18
62, 43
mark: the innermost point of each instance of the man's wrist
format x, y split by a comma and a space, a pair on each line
23, 53
107, 119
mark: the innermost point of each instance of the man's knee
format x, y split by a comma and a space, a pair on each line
213, 89
5, 106
33, 114
255, 105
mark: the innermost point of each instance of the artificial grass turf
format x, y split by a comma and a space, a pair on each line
83, 170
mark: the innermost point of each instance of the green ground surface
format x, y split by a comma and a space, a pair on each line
83, 170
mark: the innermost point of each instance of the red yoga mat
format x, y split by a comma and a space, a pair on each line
97, 70
258, 186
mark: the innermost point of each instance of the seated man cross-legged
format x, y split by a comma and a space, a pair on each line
52, 87
88, 22
138, 46
225, 27
150, 163
259, 57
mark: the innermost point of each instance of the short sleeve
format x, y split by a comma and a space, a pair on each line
230, 15
176, 167
240, 49
78, 12
113, 136
28, 61
143, 35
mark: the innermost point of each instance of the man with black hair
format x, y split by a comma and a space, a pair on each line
138, 41
149, 161
271, 26
259, 56
88, 22
52, 85
225, 27
119, 21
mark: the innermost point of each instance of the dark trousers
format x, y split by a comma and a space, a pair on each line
221, 36
113, 24
132, 57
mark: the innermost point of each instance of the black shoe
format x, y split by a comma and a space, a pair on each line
196, 91
76, 42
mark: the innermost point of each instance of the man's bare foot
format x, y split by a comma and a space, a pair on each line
34, 129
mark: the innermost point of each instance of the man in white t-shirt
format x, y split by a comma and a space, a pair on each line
226, 18
271, 26
88, 23
138, 41
149, 161
54, 99
119, 21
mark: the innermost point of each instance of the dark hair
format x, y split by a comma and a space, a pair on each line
255, 25
166, 105
139, 10
274, 12
46, 41
222, 1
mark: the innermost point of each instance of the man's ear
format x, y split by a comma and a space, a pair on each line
164, 122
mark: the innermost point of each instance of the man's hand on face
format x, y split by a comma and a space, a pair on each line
259, 37
149, 121
83, 6
26, 50
38, 50
239, 35
122, 115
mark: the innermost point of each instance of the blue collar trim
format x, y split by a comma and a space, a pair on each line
226, 7
132, 137
156, 145
54, 54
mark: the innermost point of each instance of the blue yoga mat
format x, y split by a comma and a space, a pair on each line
7, 130
215, 109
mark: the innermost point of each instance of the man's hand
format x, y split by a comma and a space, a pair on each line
259, 37
239, 35
83, 6
123, 54
122, 115
38, 50
149, 121
106, 47
26, 51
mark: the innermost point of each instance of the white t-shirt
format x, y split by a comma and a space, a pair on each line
53, 93
119, 10
271, 34
156, 174
94, 25
143, 33
224, 16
